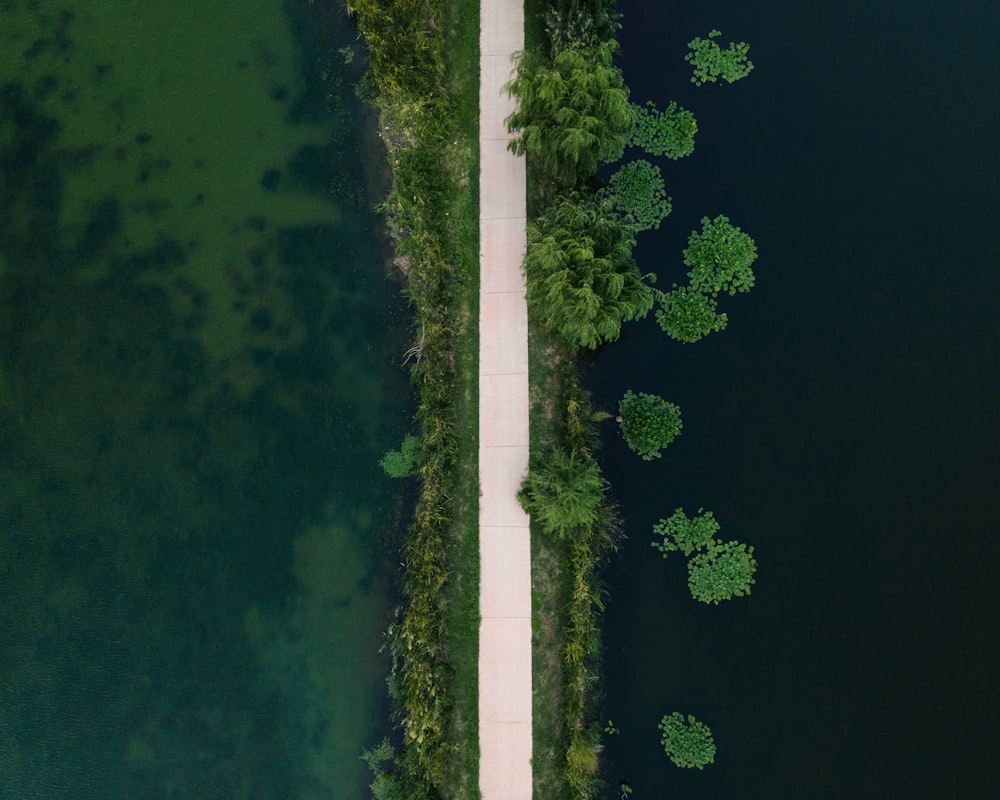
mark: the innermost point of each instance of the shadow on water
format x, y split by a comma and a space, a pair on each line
198, 373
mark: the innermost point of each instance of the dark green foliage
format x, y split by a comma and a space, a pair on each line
404, 45
563, 492
720, 257
401, 463
688, 315
637, 191
385, 783
582, 280
667, 133
711, 62
725, 570
427, 107
649, 423
573, 111
688, 743
580, 23
684, 534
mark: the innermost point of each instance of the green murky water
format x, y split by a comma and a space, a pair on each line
198, 372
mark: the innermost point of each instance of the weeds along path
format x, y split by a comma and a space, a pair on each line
504, 539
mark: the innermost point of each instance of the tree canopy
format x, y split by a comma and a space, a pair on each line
720, 256
711, 62
582, 280
667, 133
563, 492
649, 423
723, 571
573, 110
685, 534
638, 192
688, 743
688, 315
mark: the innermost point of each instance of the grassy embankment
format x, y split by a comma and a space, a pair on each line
424, 79
424, 76
567, 590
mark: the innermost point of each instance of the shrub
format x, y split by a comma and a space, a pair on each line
582, 280
573, 111
563, 492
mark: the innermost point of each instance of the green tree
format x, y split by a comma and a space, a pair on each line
573, 112
401, 463
684, 534
720, 256
667, 133
582, 280
688, 315
688, 743
563, 492
649, 423
711, 62
725, 570
638, 192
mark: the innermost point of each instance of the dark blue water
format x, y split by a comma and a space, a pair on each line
846, 423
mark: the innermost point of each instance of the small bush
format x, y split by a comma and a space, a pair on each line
563, 492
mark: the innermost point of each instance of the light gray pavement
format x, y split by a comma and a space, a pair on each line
504, 539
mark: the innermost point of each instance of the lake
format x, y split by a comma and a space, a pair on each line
845, 424
199, 370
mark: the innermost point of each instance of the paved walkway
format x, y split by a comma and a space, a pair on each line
504, 539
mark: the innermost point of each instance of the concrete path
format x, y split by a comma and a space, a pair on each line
504, 539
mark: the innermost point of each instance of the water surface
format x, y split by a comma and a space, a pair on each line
198, 373
846, 424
